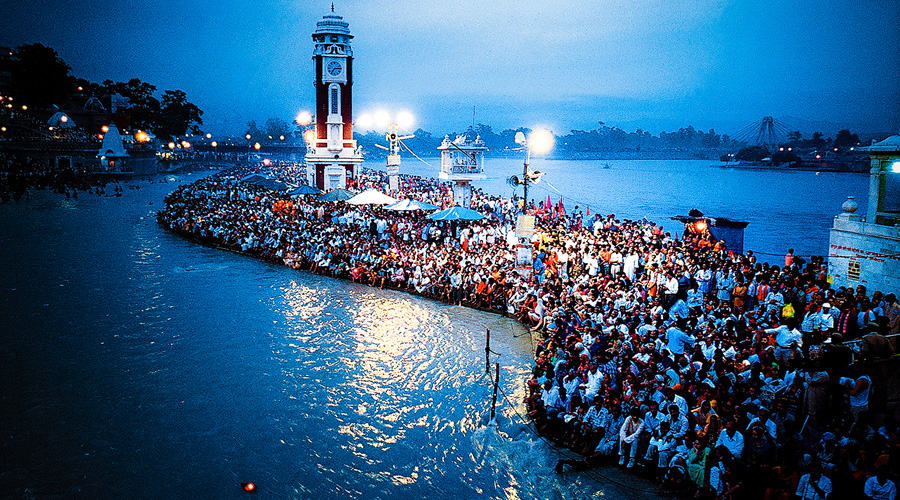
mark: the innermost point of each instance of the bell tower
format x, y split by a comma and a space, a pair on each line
332, 158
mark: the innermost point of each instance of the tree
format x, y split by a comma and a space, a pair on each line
780, 157
253, 131
40, 78
817, 141
752, 153
845, 139
143, 108
276, 127
177, 116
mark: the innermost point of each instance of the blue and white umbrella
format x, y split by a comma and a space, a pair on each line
304, 189
404, 205
456, 213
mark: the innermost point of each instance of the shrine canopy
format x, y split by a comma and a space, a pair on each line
371, 197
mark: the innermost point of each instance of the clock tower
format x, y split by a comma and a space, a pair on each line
332, 158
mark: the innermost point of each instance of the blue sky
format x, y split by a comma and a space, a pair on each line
651, 64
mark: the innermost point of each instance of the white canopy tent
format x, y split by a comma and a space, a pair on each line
371, 197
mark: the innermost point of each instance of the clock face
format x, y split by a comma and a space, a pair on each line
334, 68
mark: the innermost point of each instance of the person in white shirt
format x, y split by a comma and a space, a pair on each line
678, 339
879, 487
814, 486
732, 439
628, 436
786, 338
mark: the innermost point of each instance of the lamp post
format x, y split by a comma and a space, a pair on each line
523, 141
539, 140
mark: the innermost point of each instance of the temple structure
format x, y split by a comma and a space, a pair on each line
462, 161
866, 251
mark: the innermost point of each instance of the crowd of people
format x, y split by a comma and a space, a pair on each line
711, 372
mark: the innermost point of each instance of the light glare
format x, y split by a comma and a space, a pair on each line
364, 121
382, 120
303, 118
540, 141
405, 120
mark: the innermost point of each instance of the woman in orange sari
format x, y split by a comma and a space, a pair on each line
739, 294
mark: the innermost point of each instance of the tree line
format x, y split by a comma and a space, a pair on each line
41, 79
594, 142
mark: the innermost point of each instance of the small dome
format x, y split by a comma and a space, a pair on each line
850, 206
332, 24
61, 120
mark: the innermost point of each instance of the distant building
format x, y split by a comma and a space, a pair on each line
867, 251
332, 158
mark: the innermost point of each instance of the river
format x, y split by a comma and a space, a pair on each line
140, 365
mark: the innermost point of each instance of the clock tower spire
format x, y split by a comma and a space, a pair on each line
332, 159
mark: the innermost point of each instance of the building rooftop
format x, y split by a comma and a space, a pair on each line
889, 145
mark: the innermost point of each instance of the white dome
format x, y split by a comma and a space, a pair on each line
61, 120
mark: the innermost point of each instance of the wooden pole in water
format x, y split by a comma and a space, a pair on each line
496, 384
487, 353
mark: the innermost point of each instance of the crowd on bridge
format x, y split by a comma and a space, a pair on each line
703, 368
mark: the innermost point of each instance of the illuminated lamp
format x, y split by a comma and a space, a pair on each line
257, 146
248, 487
309, 136
247, 136
209, 136
2, 129
24, 108
267, 162
895, 167
281, 137
104, 129
64, 119
214, 144
171, 145
99, 136
700, 226
781, 149
818, 157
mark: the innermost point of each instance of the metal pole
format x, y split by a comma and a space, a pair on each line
525, 177
496, 384
487, 353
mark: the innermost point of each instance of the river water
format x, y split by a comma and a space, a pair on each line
139, 365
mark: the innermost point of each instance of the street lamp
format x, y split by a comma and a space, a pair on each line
303, 118
540, 141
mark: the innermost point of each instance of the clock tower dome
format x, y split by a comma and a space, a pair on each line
332, 158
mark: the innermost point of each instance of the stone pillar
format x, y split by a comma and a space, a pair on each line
874, 190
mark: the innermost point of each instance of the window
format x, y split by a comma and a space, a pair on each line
335, 105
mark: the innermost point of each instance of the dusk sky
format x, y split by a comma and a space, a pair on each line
651, 64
